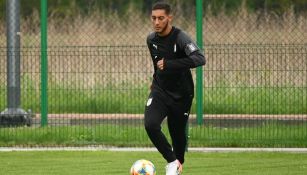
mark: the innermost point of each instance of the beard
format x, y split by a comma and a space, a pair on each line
164, 28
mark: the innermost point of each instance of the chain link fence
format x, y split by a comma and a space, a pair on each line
99, 74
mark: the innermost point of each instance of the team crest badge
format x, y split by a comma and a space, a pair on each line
149, 102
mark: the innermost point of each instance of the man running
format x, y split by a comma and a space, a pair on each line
173, 54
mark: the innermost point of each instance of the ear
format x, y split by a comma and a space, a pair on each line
170, 18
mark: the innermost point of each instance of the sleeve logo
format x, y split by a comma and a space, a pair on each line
191, 47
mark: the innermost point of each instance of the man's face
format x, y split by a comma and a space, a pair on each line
160, 20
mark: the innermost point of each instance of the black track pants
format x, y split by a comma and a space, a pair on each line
159, 106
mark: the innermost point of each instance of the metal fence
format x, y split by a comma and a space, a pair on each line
99, 73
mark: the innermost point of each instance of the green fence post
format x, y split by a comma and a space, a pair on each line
199, 70
44, 65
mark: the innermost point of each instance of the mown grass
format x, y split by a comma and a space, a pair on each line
132, 134
130, 99
255, 100
109, 163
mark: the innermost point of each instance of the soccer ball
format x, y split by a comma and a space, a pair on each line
143, 167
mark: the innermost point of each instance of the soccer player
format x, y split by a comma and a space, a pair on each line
173, 53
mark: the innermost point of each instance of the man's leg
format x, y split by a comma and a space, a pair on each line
155, 112
177, 122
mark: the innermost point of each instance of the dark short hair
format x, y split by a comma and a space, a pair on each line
161, 5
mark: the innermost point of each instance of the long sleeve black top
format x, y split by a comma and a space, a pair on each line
180, 54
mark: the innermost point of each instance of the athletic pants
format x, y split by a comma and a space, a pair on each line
159, 106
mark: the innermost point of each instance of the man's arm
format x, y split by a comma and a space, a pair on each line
194, 56
153, 56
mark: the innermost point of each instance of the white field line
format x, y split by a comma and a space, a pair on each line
130, 149
141, 116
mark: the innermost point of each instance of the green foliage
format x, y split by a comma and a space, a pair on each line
63, 8
2, 9
255, 5
278, 6
27, 7
300, 6
71, 8
215, 6
232, 6
218, 6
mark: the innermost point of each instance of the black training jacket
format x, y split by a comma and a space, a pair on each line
180, 54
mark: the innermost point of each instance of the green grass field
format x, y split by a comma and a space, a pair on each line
132, 100
109, 163
269, 135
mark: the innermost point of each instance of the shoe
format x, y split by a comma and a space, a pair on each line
173, 168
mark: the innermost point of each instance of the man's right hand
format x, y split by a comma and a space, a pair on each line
160, 64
